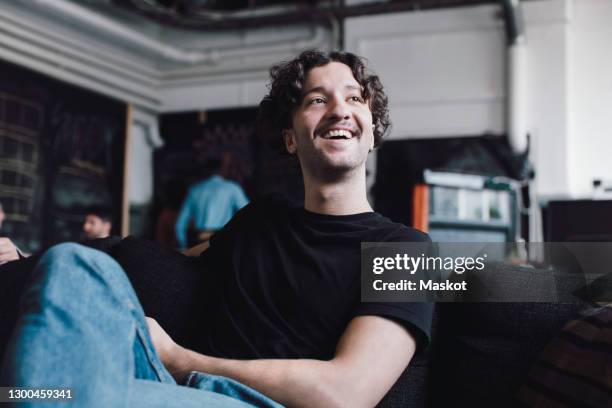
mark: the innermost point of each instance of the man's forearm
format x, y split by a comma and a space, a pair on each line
370, 356
295, 383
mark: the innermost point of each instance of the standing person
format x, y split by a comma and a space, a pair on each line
8, 251
98, 223
210, 204
284, 321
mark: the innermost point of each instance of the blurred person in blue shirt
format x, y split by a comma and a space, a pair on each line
209, 204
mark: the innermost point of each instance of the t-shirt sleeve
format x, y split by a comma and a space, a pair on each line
415, 317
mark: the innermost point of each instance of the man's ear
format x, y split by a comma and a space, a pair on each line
372, 142
289, 137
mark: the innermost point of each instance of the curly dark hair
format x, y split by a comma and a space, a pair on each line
285, 93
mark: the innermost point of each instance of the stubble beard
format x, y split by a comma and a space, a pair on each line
325, 169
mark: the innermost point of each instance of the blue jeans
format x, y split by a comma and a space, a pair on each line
82, 327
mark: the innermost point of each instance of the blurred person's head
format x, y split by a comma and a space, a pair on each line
98, 223
213, 166
2, 215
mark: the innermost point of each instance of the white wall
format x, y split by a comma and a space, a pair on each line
237, 80
442, 69
445, 74
548, 115
144, 139
158, 69
590, 143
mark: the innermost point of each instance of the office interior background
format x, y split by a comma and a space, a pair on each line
502, 125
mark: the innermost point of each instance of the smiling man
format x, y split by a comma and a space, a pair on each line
284, 322
332, 128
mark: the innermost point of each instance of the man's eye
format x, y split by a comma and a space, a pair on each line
315, 101
356, 98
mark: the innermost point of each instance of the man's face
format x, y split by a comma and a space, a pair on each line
332, 129
96, 227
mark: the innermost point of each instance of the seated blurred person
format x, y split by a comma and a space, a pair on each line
8, 250
98, 223
209, 205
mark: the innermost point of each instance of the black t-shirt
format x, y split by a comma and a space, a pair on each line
285, 282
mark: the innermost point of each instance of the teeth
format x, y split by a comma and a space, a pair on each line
338, 133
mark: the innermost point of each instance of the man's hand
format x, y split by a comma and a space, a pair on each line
197, 250
8, 251
168, 351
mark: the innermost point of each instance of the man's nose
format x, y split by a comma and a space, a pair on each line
339, 109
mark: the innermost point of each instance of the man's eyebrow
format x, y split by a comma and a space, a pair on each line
355, 87
315, 89
322, 89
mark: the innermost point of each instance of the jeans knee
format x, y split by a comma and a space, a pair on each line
65, 249
69, 255
75, 261
74, 268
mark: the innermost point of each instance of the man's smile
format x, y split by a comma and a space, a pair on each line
338, 133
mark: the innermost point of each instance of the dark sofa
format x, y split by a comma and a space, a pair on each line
479, 356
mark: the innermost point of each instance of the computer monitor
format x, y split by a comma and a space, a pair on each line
579, 221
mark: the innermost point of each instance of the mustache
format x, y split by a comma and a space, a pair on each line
356, 131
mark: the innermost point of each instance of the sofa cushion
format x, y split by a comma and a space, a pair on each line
599, 291
575, 367
169, 285
410, 390
484, 349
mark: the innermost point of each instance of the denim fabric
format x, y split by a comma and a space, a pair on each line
227, 386
81, 326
